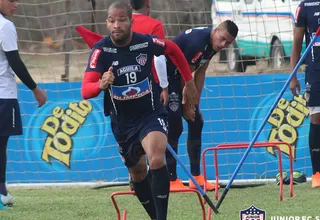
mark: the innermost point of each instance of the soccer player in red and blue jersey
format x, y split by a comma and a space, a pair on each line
198, 46
120, 65
307, 21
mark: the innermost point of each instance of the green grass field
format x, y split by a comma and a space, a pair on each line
90, 204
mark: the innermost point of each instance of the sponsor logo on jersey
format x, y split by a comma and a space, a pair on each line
196, 57
94, 58
142, 59
138, 46
311, 3
317, 41
109, 50
159, 42
128, 69
132, 91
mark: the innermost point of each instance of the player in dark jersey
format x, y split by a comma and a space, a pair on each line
120, 65
306, 24
198, 45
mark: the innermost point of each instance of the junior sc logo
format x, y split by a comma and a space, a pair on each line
252, 213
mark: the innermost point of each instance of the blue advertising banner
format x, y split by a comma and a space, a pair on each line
70, 140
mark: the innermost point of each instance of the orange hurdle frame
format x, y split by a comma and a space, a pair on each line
124, 217
242, 146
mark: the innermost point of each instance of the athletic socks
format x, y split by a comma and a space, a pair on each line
171, 161
194, 143
144, 194
160, 190
194, 151
314, 145
3, 164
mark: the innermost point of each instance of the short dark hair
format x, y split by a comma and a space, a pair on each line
122, 5
137, 4
229, 26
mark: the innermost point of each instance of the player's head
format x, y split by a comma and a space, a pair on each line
119, 22
143, 6
224, 35
8, 7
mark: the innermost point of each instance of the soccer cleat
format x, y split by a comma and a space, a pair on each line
200, 181
177, 184
3, 207
299, 177
285, 177
316, 180
7, 200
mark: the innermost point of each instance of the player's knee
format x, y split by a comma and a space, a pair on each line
156, 161
156, 157
138, 174
197, 124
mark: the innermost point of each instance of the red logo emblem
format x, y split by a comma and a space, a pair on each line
94, 58
159, 42
196, 57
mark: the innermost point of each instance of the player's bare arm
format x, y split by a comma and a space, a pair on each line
298, 34
199, 77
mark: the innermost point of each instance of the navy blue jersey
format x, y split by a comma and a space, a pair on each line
308, 16
133, 96
196, 47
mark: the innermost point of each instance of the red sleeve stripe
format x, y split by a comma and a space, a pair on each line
90, 85
178, 58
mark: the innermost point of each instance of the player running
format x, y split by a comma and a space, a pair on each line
120, 65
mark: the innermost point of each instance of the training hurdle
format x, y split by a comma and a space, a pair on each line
125, 212
243, 146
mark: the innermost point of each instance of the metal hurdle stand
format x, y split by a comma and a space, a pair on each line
243, 146
124, 215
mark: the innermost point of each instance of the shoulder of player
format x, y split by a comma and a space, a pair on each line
196, 38
6, 25
105, 45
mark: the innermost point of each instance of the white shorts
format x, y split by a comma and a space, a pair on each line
314, 110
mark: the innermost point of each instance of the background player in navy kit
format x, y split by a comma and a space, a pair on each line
307, 22
120, 65
198, 46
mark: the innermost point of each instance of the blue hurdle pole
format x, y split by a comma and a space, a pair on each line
266, 118
204, 195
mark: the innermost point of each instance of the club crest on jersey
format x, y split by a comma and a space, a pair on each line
253, 213
132, 91
94, 58
142, 59
159, 42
